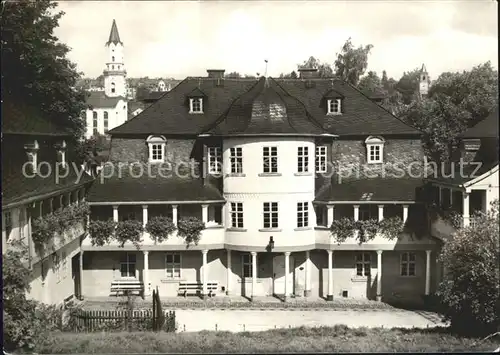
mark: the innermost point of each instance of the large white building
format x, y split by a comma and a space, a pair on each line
108, 109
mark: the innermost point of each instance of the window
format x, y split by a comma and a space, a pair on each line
94, 122
127, 265
173, 265
196, 105
270, 157
236, 215
105, 121
113, 67
270, 214
334, 106
367, 212
321, 215
21, 222
157, 146
7, 222
236, 159
214, 160
247, 265
408, 264
112, 87
56, 261
113, 59
374, 150
302, 214
321, 159
303, 160
363, 264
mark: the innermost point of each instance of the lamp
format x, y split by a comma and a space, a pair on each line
271, 243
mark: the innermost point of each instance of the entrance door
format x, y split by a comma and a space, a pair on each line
75, 271
279, 275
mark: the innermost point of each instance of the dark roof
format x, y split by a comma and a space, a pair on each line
98, 99
16, 187
463, 174
154, 96
23, 119
149, 187
487, 128
170, 114
375, 94
376, 189
114, 37
266, 109
360, 116
134, 105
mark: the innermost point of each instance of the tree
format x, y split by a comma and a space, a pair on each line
470, 290
352, 62
142, 92
233, 75
324, 70
370, 82
35, 70
408, 85
292, 75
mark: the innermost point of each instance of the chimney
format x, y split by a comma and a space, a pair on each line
216, 73
470, 149
308, 73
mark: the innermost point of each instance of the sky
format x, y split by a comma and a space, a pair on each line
183, 38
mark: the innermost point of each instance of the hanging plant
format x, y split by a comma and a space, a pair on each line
43, 229
160, 228
367, 230
342, 229
391, 228
101, 232
190, 229
129, 231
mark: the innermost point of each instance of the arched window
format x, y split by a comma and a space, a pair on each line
113, 59
157, 145
374, 149
105, 121
113, 89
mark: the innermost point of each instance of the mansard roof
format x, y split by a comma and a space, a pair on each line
224, 98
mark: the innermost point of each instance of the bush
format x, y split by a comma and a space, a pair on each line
129, 231
470, 290
101, 232
159, 228
190, 229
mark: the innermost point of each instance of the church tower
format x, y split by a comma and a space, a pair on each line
114, 75
424, 82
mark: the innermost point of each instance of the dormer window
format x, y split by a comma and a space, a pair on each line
374, 150
157, 148
333, 107
32, 153
61, 153
196, 105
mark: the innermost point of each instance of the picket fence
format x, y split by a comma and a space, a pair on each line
117, 320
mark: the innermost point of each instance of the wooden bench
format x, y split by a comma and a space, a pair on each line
195, 288
127, 286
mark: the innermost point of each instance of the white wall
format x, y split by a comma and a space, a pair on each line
491, 186
116, 117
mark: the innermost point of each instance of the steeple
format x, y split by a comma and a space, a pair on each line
114, 37
424, 83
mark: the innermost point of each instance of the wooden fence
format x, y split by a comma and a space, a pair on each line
136, 320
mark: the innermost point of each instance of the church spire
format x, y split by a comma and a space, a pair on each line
114, 37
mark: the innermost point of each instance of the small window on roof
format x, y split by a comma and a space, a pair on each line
334, 106
196, 105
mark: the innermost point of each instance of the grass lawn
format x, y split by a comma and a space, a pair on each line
302, 340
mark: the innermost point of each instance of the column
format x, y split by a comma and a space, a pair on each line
466, 208
61, 202
379, 275
356, 213
83, 195
254, 273
41, 208
204, 213
440, 191
81, 274
307, 291
380, 212
145, 276
115, 213
405, 213
51, 205
223, 215
69, 198
330, 215
204, 273
428, 272
287, 276
229, 272
451, 199
329, 296
144, 215
174, 214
